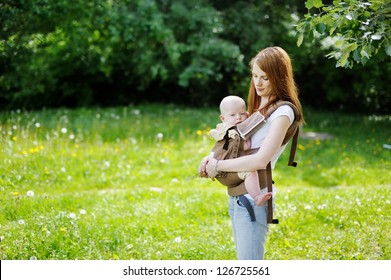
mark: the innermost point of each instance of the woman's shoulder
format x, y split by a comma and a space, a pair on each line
284, 110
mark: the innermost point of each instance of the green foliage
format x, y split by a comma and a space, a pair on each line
112, 51
120, 183
107, 53
359, 30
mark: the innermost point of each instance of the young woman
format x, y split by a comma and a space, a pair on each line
272, 81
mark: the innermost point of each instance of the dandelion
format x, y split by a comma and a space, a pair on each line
106, 164
199, 132
64, 130
83, 212
322, 206
159, 136
63, 229
33, 258
156, 189
178, 239
15, 193
30, 193
72, 136
72, 215
301, 147
1, 238
37, 125
14, 138
307, 207
21, 222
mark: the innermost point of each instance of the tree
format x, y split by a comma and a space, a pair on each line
355, 30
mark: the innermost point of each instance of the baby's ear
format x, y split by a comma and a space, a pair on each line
248, 114
222, 118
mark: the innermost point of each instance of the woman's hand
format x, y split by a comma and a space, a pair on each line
211, 168
202, 168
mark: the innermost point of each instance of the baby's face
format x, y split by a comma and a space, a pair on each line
233, 114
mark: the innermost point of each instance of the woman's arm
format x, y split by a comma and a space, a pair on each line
259, 160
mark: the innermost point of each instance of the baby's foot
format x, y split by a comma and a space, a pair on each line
261, 198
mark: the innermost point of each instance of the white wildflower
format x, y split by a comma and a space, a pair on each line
178, 239
30, 193
64, 130
159, 136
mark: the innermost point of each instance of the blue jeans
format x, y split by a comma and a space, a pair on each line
249, 237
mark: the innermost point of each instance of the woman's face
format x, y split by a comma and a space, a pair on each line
261, 81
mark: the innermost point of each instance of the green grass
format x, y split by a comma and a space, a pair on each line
120, 183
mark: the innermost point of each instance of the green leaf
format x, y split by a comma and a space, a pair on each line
356, 56
364, 54
321, 28
318, 3
344, 58
309, 4
300, 39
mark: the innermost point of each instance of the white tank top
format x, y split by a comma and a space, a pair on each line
258, 137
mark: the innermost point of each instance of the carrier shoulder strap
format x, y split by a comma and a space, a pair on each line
292, 133
293, 130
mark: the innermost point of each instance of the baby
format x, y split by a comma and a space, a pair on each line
232, 112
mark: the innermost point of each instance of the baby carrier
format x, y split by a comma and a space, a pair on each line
233, 147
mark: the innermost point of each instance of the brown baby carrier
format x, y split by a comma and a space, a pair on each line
229, 148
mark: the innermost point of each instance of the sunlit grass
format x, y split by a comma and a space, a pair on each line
120, 183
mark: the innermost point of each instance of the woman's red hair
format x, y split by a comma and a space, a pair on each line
276, 63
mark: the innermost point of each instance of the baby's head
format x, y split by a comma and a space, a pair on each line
233, 110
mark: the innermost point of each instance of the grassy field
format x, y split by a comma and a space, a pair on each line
121, 183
